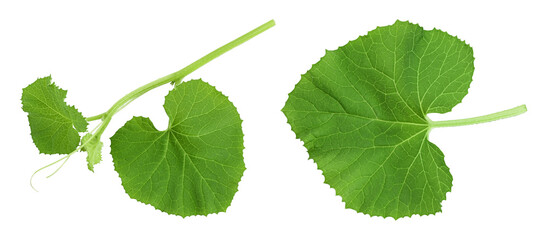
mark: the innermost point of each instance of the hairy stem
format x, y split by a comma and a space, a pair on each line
481, 119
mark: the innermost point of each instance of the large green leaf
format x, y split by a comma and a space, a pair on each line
54, 125
361, 113
194, 166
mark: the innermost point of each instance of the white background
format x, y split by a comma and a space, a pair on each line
103, 50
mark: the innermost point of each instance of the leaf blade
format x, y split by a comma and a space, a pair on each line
194, 166
361, 113
93, 146
54, 124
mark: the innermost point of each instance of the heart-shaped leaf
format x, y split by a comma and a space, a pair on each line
361, 113
194, 166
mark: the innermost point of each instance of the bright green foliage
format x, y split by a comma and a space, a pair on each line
54, 125
92, 145
361, 113
191, 168
194, 166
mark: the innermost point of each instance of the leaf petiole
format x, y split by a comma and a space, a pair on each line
225, 48
174, 78
481, 119
96, 117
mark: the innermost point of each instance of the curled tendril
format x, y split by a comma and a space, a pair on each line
65, 158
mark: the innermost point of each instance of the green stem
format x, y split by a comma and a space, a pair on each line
177, 77
96, 117
219, 51
482, 119
174, 78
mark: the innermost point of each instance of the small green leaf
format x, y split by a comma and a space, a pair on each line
361, 113
93, 146
194, 166
54, 125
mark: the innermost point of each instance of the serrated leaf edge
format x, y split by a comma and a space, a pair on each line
243, 159
309, 158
